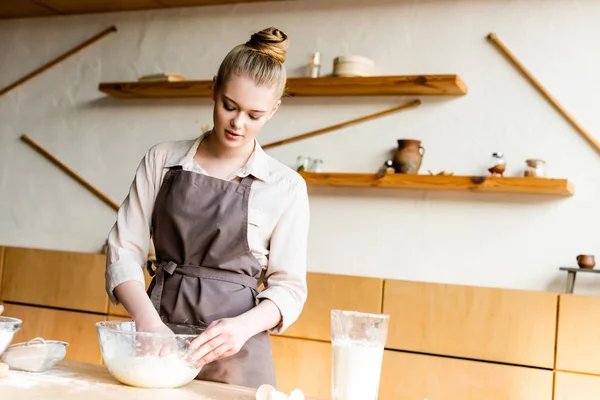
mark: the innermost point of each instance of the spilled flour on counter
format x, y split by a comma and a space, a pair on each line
152, 372
91, 382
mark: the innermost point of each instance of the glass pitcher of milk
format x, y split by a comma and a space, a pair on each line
358, 340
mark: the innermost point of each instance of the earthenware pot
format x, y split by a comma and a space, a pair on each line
586, 261
408, 156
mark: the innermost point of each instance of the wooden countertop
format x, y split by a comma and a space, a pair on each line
71, 380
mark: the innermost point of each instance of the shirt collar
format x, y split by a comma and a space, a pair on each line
257, 165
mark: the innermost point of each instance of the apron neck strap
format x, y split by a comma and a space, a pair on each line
247, 181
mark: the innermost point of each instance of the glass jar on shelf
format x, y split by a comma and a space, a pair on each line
303, 163
315, 165
535, 169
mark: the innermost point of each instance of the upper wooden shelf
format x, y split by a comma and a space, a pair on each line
307, 87
543, 186
47, 8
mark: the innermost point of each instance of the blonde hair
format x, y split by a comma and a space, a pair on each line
260, 59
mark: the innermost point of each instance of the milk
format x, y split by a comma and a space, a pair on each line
356, 370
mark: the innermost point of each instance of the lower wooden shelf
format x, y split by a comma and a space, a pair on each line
542, 186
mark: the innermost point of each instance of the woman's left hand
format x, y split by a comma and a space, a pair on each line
222, 338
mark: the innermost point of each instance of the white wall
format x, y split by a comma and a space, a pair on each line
478, 239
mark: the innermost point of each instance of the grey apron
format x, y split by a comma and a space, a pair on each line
204, 269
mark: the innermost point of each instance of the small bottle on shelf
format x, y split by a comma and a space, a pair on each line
314, 68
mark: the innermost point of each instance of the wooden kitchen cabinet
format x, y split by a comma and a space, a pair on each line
303, 364
76, 328
417, 376
51, 278
329, 291
1, 267
504, 325
578, 341
573, 386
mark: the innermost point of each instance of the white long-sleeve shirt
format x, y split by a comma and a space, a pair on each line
278, 222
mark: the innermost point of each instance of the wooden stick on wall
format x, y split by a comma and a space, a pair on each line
69, 171
412, 104
492, 37
58, 59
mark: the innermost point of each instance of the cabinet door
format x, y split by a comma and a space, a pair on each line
570, 386
578, 342
491, 324
329, 291
1, 268
416, 376
303, 364
76, 328
52, 278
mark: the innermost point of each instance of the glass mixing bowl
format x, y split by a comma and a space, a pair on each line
144, 359
8, 328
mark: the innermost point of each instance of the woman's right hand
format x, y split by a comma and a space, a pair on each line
153, 327
132, 295
149, 345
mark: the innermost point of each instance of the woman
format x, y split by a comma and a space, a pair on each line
220, 211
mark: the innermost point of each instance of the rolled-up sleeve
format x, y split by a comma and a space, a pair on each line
285, 280
129, 238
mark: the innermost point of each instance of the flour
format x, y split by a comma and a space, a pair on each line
152, 372
19, 380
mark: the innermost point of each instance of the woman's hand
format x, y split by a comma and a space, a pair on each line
153, 345
223, 338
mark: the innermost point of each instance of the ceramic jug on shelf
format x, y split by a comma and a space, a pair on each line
408, 156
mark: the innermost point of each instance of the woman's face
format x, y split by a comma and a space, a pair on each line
241, 110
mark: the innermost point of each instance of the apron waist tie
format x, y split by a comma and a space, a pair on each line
197, 271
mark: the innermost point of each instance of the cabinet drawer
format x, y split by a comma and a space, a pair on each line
504, 325
55, 278
578, 342
415, 376
571, 386
303, 364
330, 291
76, 328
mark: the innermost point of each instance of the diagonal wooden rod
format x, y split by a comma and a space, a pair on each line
57, 60
492, 37
412, 104
69, 171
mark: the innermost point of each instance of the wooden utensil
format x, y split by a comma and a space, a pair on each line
58, 59
69, 171
406, 106
492, 37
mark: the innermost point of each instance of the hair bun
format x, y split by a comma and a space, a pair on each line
271, 42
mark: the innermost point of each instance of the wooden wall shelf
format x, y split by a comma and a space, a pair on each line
543, 186
305, 87
48, 8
